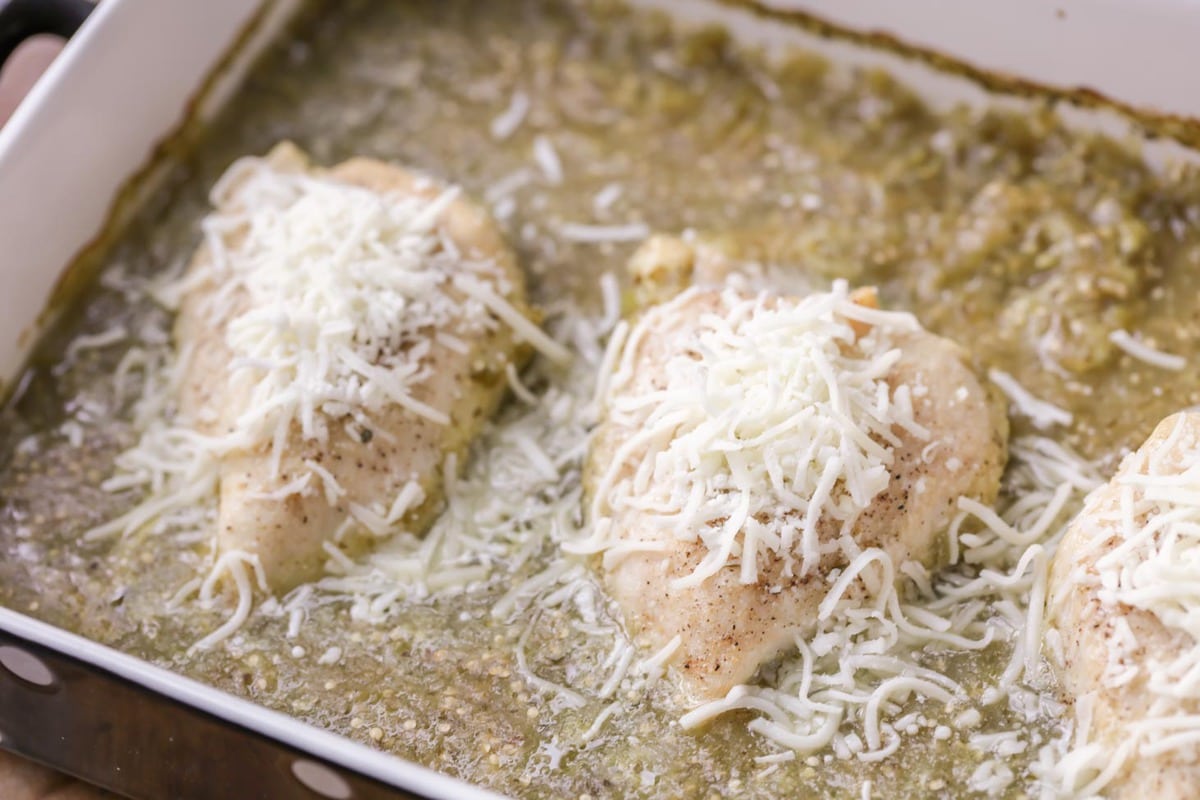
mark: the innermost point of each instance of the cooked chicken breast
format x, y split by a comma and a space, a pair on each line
736, 619
1122, 602
450, 373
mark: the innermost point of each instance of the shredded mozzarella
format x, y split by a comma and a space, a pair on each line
1042, 414
600, 234
232, 563
520, 324
510, 120
605, 198
546, 157
1144, 352
775, 411
341, 285
105, 338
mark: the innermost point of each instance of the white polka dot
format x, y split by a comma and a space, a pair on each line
322, 780
26, 666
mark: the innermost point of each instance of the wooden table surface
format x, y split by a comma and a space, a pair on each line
22, 780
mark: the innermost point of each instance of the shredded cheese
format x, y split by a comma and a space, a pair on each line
105, 338
233, 563
1144, 352
510, 120
604, 199
601, 234
340, 285
776, 411
547, 160
1041, 413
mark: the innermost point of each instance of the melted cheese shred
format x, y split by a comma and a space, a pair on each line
775, 418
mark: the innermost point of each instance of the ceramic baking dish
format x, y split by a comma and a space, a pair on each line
80, 151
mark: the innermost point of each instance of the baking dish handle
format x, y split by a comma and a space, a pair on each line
21, 19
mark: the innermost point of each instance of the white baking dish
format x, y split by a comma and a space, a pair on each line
129, 78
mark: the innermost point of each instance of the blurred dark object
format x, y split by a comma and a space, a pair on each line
36, 21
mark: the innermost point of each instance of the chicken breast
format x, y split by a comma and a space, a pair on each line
948, 439
1123, 600
418, 368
